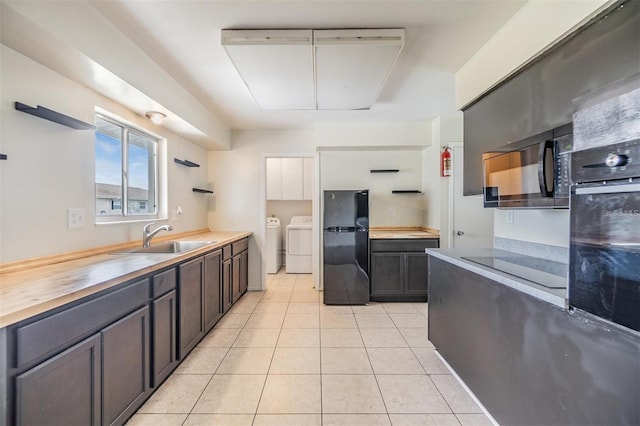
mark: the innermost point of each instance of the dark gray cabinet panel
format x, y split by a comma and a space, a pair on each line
399, 269
244, 271
190, 293
163, 282
43, 337
540, 97
387, 274
212, 289
416, 274
125, 367
164, 353
235, 278
226, 285
64, 390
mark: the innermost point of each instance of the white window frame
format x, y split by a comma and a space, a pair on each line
160, 187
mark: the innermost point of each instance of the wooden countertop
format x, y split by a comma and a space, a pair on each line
402, 233
27, 293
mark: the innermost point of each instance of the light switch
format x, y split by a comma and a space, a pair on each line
76, 218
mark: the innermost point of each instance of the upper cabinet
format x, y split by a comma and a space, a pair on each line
307, 180
540, 96
289, 178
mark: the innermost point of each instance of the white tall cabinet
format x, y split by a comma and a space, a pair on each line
289, 178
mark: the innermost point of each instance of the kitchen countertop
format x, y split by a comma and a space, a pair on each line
556, 297
400, 233
25, 294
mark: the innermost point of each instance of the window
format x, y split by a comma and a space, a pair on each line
126, 172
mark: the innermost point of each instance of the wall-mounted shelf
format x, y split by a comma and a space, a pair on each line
406, 191
384, 170
54, 116
186, 163
202, 191
3, 156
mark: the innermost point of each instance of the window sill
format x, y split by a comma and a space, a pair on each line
114, 221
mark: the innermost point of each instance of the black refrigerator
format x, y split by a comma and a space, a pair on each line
345, 237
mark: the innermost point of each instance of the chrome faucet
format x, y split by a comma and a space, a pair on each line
147, 235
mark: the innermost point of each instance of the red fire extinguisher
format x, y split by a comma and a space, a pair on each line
445, 162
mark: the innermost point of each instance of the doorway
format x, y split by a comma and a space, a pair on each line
289, 217
470, 224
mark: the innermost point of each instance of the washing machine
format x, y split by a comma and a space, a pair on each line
299, 245
273, 244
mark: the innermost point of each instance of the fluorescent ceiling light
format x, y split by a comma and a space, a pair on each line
276, 66
314, 69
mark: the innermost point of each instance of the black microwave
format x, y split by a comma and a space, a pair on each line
532, 173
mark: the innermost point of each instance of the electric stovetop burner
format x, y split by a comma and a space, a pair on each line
546, 273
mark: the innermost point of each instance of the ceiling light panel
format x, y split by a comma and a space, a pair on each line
353, 65
276, 66
314, 69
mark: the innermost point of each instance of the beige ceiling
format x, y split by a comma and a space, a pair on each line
170, 51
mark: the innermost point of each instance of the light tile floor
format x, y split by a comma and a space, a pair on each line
281, 357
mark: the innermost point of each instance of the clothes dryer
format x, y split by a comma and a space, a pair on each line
299, 244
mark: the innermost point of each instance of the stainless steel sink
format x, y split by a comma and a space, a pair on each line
169, 247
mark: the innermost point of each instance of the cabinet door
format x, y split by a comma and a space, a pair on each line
307, 179
212, 289
125, 367
274, 178
387, 274
191, 323
244, 271
235, 278
64, 390
416, 274
292, 179
165, 357
226, 285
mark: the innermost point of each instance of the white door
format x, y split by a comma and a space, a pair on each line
471, 223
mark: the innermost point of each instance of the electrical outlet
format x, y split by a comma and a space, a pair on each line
509, 218
392, 212
76, 218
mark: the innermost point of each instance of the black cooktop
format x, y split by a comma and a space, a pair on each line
547, 273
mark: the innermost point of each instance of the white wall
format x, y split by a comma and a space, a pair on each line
538, 226
351, 170
238, 181
414, 135
533, 29
50, 167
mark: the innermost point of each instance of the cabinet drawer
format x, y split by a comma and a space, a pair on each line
226, 252
240, 246
163, 282
404, 245
60, 330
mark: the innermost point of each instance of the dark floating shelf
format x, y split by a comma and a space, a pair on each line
186, 163
409, 191
56, 117
384, 170
3, 156
202, 191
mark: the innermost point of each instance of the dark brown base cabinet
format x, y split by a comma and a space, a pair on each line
95, 361
125, 367
64, 390
212, 289
400, 269
190, 296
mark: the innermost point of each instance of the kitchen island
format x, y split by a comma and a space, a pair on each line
87, 341
526, 356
